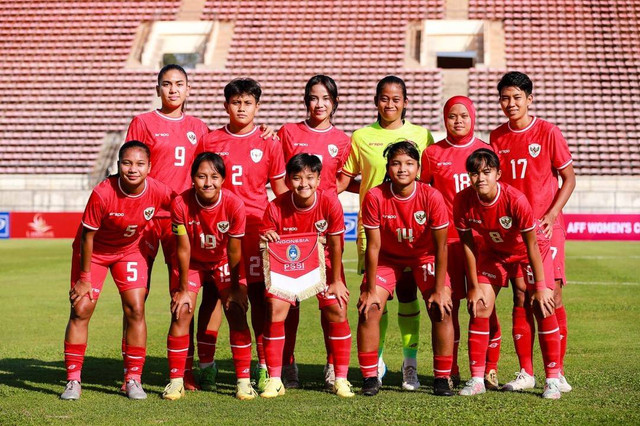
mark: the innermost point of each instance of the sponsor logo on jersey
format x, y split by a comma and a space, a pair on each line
445, 163
194, 222
487, 274
389, 216
290, 228
161, 134
192, 138
116, 214
534, 149
321, 225
148, 212
300, 144
222, 153
381, 279
293, 253
472, 220
420, 217
504, 151
506, 222
256, 155
333, 150
223, 226
376, 144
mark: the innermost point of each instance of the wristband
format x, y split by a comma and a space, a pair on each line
85, 276
541, 285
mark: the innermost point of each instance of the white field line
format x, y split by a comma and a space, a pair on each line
602, 257
601, 283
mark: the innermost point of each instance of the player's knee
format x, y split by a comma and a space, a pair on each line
134, 312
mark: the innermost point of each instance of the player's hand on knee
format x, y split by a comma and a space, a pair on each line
366, 302
340, 291
79, 290
474, 299
237, 296
543, 299
440, 301
178, 300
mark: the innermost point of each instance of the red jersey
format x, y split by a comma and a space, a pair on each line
325, 217
530, 159
251, 162
172, 142
120, 218
208, 227
444, 168
499, 223
331, 145
405, 223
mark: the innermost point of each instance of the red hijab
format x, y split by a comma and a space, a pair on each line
468, 103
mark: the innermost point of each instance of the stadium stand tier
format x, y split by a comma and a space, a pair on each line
67, 63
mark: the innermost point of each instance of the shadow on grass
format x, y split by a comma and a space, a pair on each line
106, 375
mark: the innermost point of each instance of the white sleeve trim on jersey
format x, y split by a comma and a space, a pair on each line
278, 176
336, 233
463, 229
441, 226
236, 236
565, 165
89, 227
371, 227
529, 229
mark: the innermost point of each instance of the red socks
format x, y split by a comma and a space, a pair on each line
523, 338
290, 332
207, 346
73, 360
549, 337
368, 363
561, 315
495, 339
241, 352
340, 341
134, 361
442, 366
273, 338
177, 351
327, 344
478, 342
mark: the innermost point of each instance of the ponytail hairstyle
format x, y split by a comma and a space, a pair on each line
176, 67
397, 148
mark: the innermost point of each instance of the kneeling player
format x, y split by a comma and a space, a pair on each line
209, 223
406, 226
305, 209
503, 217
109, 238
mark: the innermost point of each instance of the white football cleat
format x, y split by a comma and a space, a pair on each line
522, 381
551, 389
72, 391
563, 385
475, 386
410, 380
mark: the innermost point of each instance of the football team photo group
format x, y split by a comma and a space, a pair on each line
442, 227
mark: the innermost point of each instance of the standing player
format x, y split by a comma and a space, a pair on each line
406, 224
315, 135
305, 209
172, 137
534, 153
444, 168
253, 162
109, 238
503, 217
209, 224
367, 159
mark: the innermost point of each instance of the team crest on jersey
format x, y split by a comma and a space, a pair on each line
333, 150
256, 155
223, 226
506, 222
420, 217
148, 212
192, 138
321, 225
534, 149
293, 253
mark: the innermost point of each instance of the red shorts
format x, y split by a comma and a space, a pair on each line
324, 299
216, 273
497, 272
252, 258
157, 232
387, 276
557, 253
129, 270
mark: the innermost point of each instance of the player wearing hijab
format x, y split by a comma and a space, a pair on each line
444, 168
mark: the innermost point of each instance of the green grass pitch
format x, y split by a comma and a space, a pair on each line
602, 363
